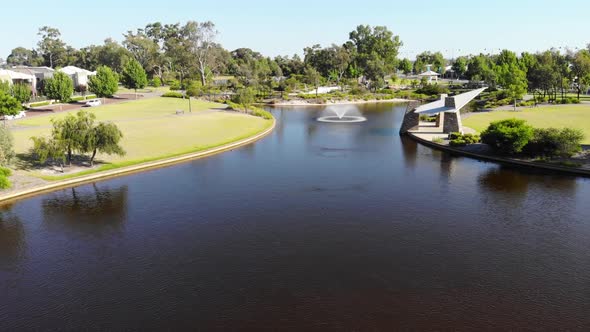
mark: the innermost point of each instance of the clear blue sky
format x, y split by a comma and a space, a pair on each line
281, 27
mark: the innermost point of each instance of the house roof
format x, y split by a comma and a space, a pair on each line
429, 73
14, 75
71, 70
33, 70
438, 106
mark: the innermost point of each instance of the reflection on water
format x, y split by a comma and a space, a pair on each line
11, 236
87, 209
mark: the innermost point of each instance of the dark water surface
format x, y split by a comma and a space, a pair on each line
317, 227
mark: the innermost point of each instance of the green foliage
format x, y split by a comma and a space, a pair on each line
4, 87
174, 85
173, 94
59, 87
553, 142
438, 140
457, 139
156, 82
244, 97
9, 105
507, 136
22, 92
432, 89
103, 138
4, 182
105, 83
194, 88
6, 146
48, 149
5, 171
39, 104
262, 113
134, 76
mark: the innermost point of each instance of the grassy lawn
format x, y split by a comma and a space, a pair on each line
152, 130
574, 116
149, 89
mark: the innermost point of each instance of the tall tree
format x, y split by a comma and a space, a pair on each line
105, 83
581, 69
375, 44
460, 66
21, 56
405, 66
134, 76
313, 77
52, 48
202, 41
59, 87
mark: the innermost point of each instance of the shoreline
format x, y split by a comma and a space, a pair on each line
502, 160
49, 187
303, 102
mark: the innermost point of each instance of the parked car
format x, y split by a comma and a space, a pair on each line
93, 102
20, 115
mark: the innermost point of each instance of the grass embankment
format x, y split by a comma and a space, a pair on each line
559, 116
151, 130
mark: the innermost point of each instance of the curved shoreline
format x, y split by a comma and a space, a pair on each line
501, 160
132, 169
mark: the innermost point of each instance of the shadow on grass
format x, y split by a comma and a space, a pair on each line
28, 162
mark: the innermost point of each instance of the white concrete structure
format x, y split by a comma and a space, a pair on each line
13, 77
78, 75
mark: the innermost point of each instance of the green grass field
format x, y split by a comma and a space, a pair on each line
153, 131
574, 116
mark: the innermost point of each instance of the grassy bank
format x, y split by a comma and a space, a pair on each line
152, 131
560, 116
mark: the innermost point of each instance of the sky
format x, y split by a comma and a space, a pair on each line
285, 27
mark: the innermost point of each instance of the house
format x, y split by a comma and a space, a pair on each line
40, 74
13, 77
79, 76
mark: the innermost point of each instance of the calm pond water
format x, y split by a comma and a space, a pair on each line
317, 227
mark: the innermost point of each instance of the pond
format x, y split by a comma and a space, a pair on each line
318, 226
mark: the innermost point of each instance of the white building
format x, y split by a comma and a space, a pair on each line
79, 76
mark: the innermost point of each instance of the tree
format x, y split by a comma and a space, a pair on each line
313, 77
66, 132
49, 149
105, 83
202, 40
22, 92
513, 79
21, 56
507, 136
376, 44
405, 66
8, 104
59, 87
581, 68
134, 76
103, 138
51, 46
460, 66
244, 97
6, 146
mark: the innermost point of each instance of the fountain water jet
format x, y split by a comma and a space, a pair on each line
341, 117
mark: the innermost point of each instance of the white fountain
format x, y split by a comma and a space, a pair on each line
341, 116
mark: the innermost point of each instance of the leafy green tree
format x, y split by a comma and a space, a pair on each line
6, 146
66, 132
134, 76
513, 79
460, 66
405, 66
244, 97
313, 77
22, 92
507, 136
21, 56
9, 105
104, 138
59, 87
49, 149
105, 83
52, 48
581, 69
376, 44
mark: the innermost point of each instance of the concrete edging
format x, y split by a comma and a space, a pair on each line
134, 169
501, 160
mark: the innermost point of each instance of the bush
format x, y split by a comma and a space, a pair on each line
22, 92
457, 142
458, 139
507, 136
6, 146
156, 82
173, 94
105, 83
552, 142
39, 104
5, 171
78, 98
432, 89
174, 84
4, 182
262, 113
90, 96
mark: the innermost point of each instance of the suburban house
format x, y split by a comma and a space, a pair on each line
79, 76
40, 74
14, 77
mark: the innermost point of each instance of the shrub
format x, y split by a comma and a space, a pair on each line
105, 83
22, 92
173, 94
457, 142
5, 171
507, 136
552, 142
78, 98
90, 96
59, 87
262, 113
6, 146
39, 104
156, 82
432, 89
458, 139
4, 182
174, 84
455, 135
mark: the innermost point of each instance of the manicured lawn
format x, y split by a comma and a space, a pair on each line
153, 131
149, 89
574, 116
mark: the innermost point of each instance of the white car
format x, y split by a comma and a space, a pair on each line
93, 102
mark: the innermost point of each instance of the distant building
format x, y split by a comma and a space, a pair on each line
429, 74
40, 74
14, 77
78, 75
